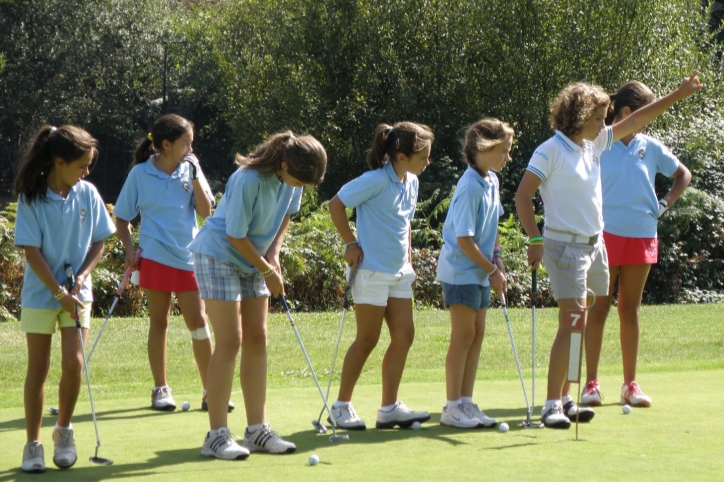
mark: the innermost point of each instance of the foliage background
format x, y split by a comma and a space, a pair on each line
243, 70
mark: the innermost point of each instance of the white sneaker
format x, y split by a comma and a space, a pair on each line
33, 458
571, 409
205, 404
345, 417
457, 417
64, 455
554, 417
222, 446
267, 440
591, 395
474, 410
401, 416
631, 394
161, 399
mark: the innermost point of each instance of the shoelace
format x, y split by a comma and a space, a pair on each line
33, 451
66, 438
350, 411
402, 407
163, 392
592, 387
262, 436
634, 389
222, 439
469, 410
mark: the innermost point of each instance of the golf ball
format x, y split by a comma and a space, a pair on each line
416, 426
313, 459
503, 427
185, 406
626, 409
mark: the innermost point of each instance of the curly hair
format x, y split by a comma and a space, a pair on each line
574, 106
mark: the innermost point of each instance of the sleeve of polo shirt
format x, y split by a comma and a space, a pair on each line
666, 162
296, 202
102, 223
126, 207
240, 203
542, 163
464, 209
27, 228
604, 140
359, 190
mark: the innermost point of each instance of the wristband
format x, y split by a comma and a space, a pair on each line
268, 272
490, 275
347, 245
663, 207
533, 240
59, 294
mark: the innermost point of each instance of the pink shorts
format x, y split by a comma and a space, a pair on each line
159, 277
624, 251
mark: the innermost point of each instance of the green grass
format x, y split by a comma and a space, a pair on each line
681, 367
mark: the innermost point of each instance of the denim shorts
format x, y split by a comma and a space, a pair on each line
223, 281
474, 296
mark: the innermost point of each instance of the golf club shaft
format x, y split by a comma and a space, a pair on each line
309, 362
533, 299
119, 292
515, 352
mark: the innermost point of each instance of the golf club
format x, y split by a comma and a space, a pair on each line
334, 438
533, 299
71, 285
318, 423
515, 353
119, 292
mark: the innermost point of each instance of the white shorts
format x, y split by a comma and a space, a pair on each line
375, 287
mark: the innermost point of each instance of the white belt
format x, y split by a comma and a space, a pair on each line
571, 238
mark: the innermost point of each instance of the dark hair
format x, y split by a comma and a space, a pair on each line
69, 143
574, 106
483, 136
305, 157
405, 137
167, 128
633, 95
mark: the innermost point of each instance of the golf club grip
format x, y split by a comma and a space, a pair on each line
71, 285
535, 282
502, 300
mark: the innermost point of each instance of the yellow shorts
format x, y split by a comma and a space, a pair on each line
44, 322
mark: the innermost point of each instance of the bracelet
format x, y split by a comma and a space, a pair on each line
532, 240
59, 294
497, 248
347, 245
268, 272
490, 275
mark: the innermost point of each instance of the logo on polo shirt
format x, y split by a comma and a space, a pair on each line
83, 214
595, 160
186, 186
642, 153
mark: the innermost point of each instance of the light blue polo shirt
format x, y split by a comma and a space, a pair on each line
168, 216
474, 211
253, 207
385, 207
64, 230
630, 206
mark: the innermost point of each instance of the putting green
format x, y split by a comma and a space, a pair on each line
679, 438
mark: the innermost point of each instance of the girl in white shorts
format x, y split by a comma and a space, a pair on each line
385, 198
566, 169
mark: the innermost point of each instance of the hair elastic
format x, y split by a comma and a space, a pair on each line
150, 137
291, 136
52, 130
389, 130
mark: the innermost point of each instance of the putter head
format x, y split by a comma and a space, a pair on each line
319, 427
100, 461
335, 439
528, 424
53, 411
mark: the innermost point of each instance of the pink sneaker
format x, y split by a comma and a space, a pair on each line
632, 395
591, 395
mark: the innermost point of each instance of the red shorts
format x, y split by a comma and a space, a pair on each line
159, 277
624, 251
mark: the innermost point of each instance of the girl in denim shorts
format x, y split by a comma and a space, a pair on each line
470, 264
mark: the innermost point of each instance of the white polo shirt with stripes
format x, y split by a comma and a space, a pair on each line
571, 187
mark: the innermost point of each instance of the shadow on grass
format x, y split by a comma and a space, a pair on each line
119, 470
49, 419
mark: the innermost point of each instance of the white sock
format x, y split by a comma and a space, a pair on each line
550, 403
388, 408
339, 404
215, 431
466, 399
254, 428
64, 428
452, 404
565, 399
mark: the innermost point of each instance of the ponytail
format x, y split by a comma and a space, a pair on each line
405, 137
166, 128
304, 156
66, 142
633, 95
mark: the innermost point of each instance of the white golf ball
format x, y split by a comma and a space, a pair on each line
503, 427
416, 426
313, 459
626, 409
185, 406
